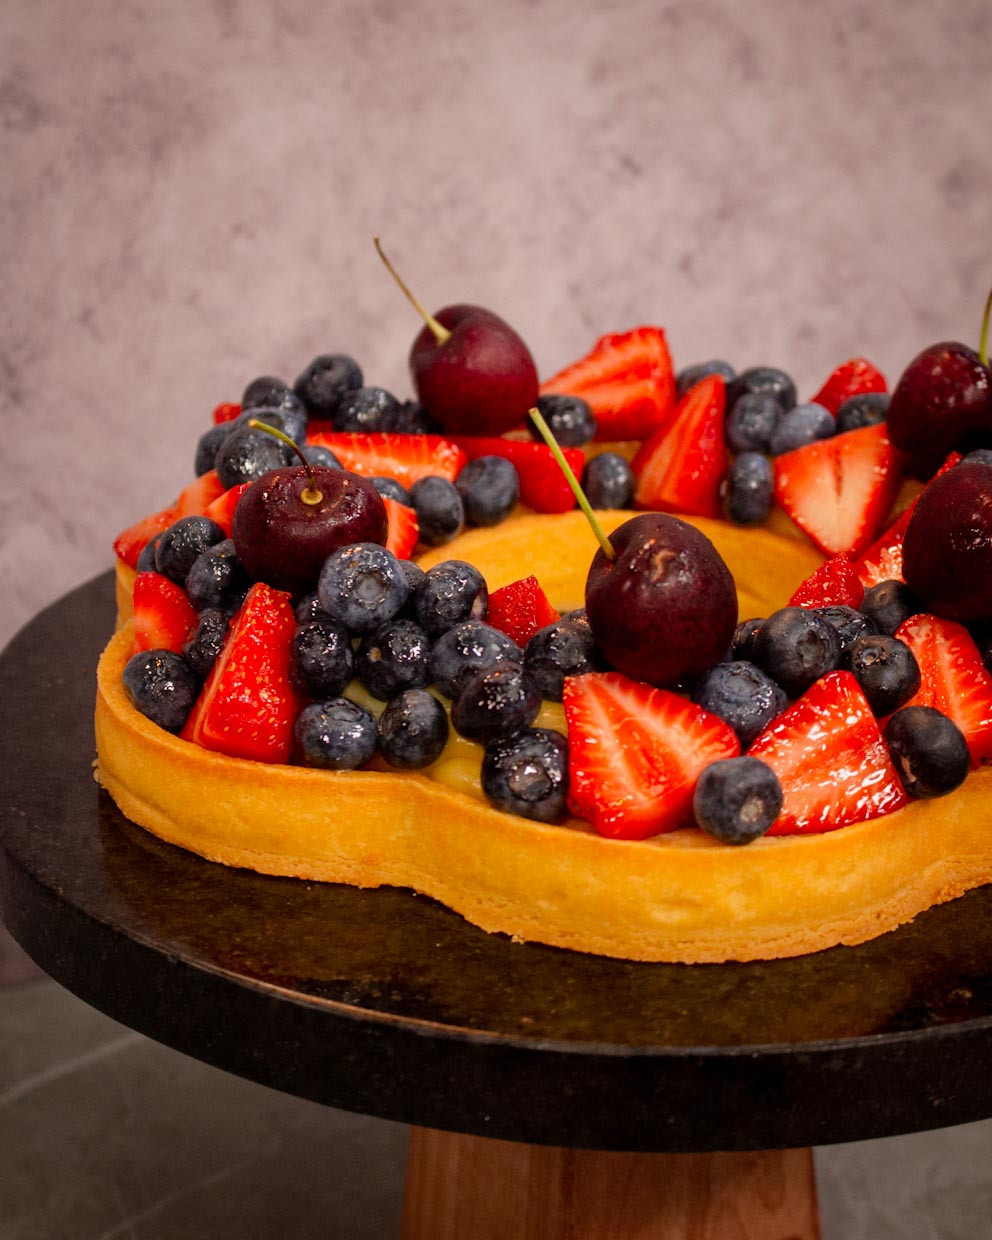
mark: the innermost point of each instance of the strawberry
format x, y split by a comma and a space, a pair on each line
628, 381
164, 618
403, 457
635, 754
130, 543
835, 582
194, 500
222, 508
248, 705
839, 490
404, 529
542, 484
852, 378
520, 609
955, 680
679, 468
830, 758
226, 413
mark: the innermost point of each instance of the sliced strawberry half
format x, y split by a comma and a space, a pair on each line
225, 412
222, 509
839, 490
130, 543
403, 531
636, 753
830, 757
851, 378
542, 484
520, 609
954, 679
834, 583
164, 618
679, 468
195, 499
406, 458
248, 705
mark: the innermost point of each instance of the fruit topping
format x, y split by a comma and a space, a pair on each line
527, 774
796, 646
929, 751
322, 660
850, 380
412, 730
801, 425
439, 509
325, 382
466, 648
495, 702
689, 376
225, 412
368, 409
679, 468
608, 481
490, 488
217, 579
746, 490
129, 544
161, 686
886, 669
888, 604
221, 510
542, 485
163, 615
246, 454
207, 641
767, 379
520, 609
403, 457
570, 419
450, 593
393, 658
403, 529
866, 410
751, 420
362, 586
559, 650
337, 735
737, 800
742, 695
835, 582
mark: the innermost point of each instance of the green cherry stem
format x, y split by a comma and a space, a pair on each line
441, 333
580, 496
311, 493
983, 343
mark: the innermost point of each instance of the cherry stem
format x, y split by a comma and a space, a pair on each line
580, 496
983, 343
441, 333
311, 493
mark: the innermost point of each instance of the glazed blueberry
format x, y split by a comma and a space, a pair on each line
800, 426
742, 695
217, 579
796, 646
527, 774
569, 419
490, 488
412, 419
391, 489
737, 799
496, 701
362, 586
977, 456
868, 409
321, 660
888, 604
751, 421
887, 671
202, 649
394, 658
746, 491
289, 417
469, 647
413, 730
762, 379
689, 376
609, 481
367, 409
317, 454
246, 454
326, 381
181, 545
308, 608
146, 560
265, 390
564, 648
439, 508
742, 643
414, 575
207, 447
337, 735
449, 593
849, 623
162, 686
928, 749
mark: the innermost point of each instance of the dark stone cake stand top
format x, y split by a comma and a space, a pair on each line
385, 1002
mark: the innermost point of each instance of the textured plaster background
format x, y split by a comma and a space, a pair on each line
188, 191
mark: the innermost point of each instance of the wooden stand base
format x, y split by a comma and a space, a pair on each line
474, 1188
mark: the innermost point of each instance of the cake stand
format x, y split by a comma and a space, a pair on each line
552, 1094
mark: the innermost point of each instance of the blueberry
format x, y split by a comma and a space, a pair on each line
308, 608
391, 489
564, 648
182, 544
801, 426
888, 604
412, 419
413, 730
367, 409
317, 454
689, 376
217, 579
977, 456
207, 447
321, 660
527, 774
362, 586
737, 799
337, 735
325, 381
469, 647
439, 508
751, 421
746, 491
928, 749
849, 623
202, 649
762, 379
868, 409
289, 417
742, 643
887, 671
490, 488
742, 695
394, 658
450, 592
569, 419
246, 455
796, 646
162, 686
495, 702
265, 390
609, 481
414, 575
146, 560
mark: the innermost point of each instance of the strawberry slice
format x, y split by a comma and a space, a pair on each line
222, 508
627, 379
225, 412
520, 609
248, 705
851, 378
830, 757
636, 753
406, 458
679, 468
542, 484
954, 679
164, 618
835, 582
839, 490
194, 500
403, 531
130, 543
